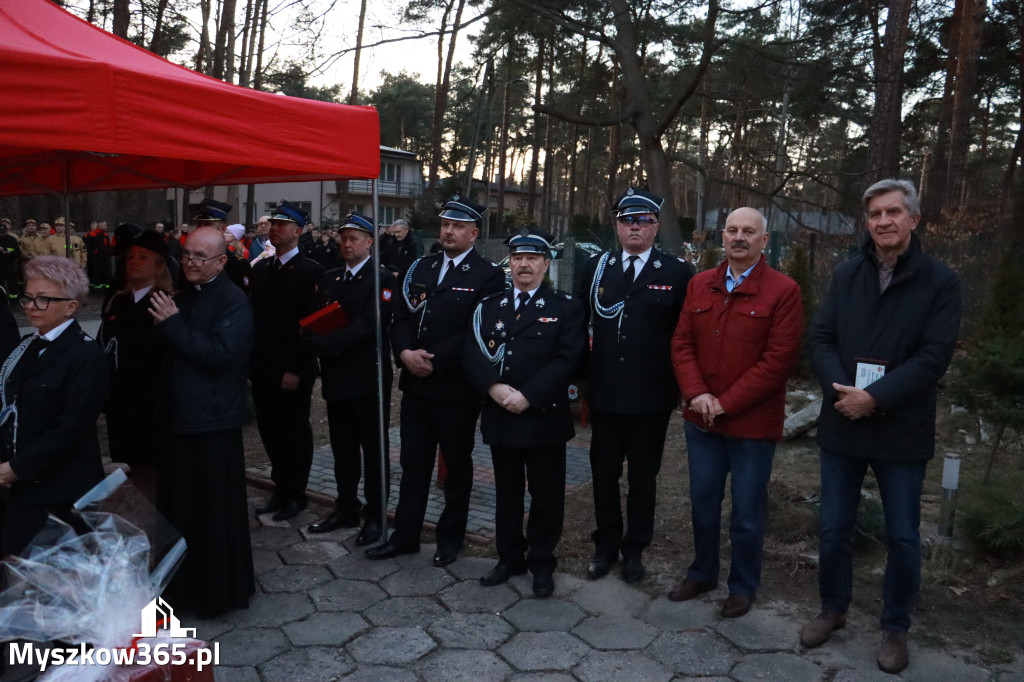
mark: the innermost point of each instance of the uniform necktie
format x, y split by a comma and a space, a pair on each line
447, 269
348, 276
630, 272
275, 265
523, 298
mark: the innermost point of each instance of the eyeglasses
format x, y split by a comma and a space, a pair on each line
642, 221
39, 302
196, 260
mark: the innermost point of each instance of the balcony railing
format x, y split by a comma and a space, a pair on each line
386, 188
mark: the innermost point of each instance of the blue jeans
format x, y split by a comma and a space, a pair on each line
712, 457
900, 487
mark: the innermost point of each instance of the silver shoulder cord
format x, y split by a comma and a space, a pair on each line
9, 411
496, 358
405, 289
607, 312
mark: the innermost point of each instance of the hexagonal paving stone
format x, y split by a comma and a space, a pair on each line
544, 651
463, 666
875, 675
689, 615
298, 578
308, 664
374, 673
694, 654
471, 567
761, 630
470, 596
405, 612
544, 614
251, 646
470, 630
271, 610
616, 666
264, 560
346, 595
417, 582
268, 537
938, 665
776, 668
611, 632
611, 598
225, 673
313, 552
542, 677
358, 567
326, 629
391, 646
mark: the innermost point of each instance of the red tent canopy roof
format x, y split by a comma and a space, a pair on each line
87, 111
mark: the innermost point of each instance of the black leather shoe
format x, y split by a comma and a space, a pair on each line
600, 566
500, 574
632, 569
369, 534
443, 557
272, 505
334, 521
543, 585
290, 510
389, 551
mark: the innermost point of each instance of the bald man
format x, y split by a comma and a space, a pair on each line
737, 342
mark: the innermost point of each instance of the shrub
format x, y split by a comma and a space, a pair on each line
993, 515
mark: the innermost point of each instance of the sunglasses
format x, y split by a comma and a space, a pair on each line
642, 221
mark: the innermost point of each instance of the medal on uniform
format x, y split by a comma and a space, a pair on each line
465, 267
657, 264
490, 344
499, 326
611, 261
539, 303
423, 296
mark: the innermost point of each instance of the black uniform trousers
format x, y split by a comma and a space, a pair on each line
640, 440
544, 469
355, 441
283, 420
427, 423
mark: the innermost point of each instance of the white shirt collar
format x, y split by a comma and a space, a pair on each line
285, 257
640, 262
140, 294
354, 269
57, 331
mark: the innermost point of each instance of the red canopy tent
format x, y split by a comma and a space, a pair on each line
87, 111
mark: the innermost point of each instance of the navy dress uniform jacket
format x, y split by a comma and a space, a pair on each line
629, 366
279, 300
348, 356
436, 317
542, 351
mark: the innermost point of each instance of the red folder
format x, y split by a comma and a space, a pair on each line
328, 319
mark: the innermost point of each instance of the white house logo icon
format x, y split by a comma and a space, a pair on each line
159, 614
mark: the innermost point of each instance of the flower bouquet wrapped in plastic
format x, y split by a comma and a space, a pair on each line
90, 587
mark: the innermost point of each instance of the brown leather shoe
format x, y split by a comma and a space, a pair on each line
737, 605
688, 589
892, 655
818, 631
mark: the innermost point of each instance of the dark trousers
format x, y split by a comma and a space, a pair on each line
541, 468
425, 425
899, 485
355, 442
283, 420
638, 439
747, 463
23, 520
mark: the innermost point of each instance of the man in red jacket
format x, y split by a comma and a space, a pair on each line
737, 341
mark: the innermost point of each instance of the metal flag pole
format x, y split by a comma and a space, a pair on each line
381, 426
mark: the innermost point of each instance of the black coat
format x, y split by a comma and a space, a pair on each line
279, 301
205, 366
629, 367
913, 326
542, 351
441, 324
59, 396
135, 352
348, 356
396, 255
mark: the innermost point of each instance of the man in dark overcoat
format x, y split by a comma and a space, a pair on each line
633, 296
348, 376
283, 369
439, 406
523, 354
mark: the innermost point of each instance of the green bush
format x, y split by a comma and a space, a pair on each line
993, 515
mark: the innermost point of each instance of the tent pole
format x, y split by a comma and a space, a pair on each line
381, 426
67, 205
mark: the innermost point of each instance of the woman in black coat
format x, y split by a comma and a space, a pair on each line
54, 384
135, 353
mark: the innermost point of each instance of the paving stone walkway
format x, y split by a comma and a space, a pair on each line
325, 612
482, 499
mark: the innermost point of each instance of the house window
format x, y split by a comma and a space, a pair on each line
391, 172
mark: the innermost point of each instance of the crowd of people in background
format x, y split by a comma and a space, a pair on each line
196, 319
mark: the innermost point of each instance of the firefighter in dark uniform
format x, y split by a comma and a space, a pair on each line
524, 351
439, 406
282, 368
348, 377
633, 296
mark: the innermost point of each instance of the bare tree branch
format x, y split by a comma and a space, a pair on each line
601, 121
711, 45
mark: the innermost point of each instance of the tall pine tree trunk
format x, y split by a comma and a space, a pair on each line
886, 118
